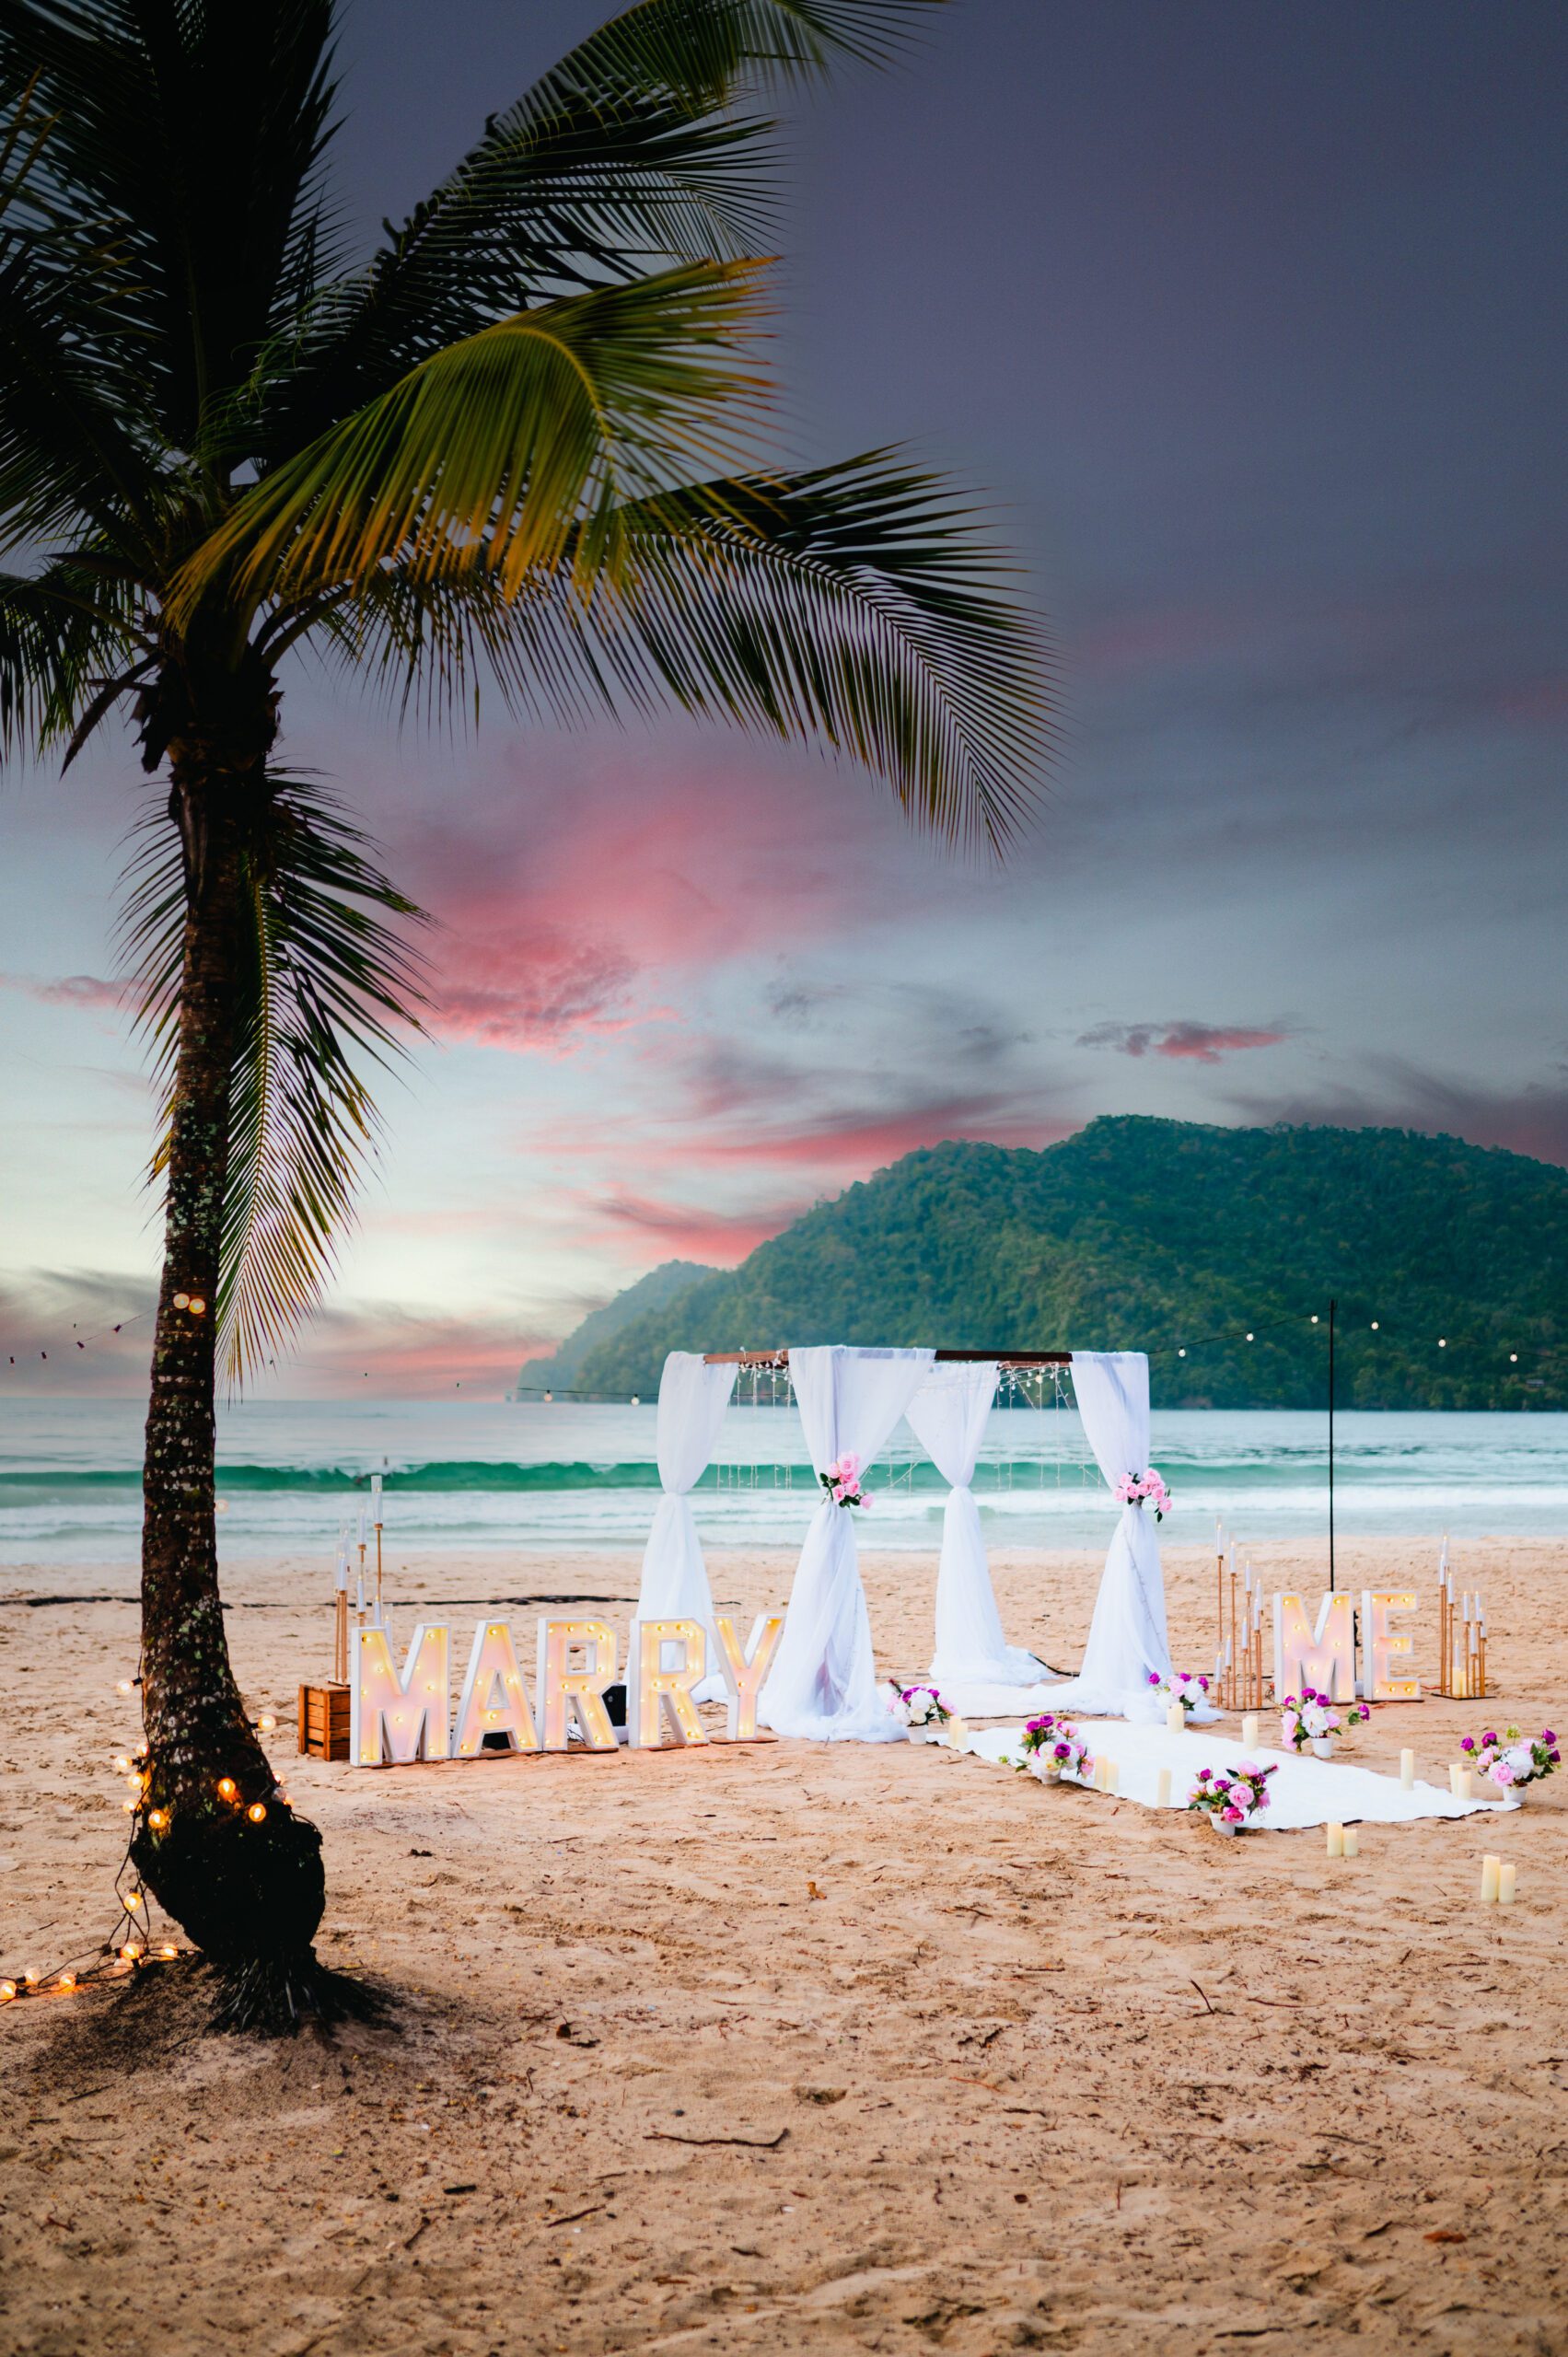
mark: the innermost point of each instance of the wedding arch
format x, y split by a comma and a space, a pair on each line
822, 1683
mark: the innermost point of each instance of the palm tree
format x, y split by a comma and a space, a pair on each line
524, 443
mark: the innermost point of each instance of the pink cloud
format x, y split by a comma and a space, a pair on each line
1203, 1043
535, 988
689, 1231
69, 990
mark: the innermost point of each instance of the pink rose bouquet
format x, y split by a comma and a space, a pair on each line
1232, 1795
841, 1481
1510, 1760
1144, 1488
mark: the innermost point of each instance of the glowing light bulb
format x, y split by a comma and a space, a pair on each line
158, 1819
228, 1787
1181, 1353
1315, 1317
1249, 1337
256, 1812
8, 1989
132, 1783
67, 1982
122, 1686
1442, 1341
123, 1765
131, 1901
266, 1724
1512, 1358
31, 1979
198, 1306
1375, 1325
182, 1301
169, 1948
128, 1954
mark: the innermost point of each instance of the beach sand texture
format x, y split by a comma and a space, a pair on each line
796, 2047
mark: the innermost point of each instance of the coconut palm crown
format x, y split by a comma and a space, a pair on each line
526, 446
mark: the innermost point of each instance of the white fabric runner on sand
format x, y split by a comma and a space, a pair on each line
692, 1398
1303, 1792
823, 1681
948, 1415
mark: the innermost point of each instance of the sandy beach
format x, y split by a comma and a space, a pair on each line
788, 2047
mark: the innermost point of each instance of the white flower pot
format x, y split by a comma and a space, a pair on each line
1322, 1747
1048, 1775
1217, 1821
1511, 1792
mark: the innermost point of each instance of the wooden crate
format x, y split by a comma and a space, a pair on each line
324, 1722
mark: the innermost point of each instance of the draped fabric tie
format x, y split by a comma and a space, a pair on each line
1127, 1635
823, 1681
693, 1397
948, 1415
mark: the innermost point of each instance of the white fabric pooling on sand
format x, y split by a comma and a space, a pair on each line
948, 1415
1302, 1792
823, 1681
693, 1397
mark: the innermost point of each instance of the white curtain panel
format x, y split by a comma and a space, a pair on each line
1127, 1635
692, 1398
948, 1415
823, 1681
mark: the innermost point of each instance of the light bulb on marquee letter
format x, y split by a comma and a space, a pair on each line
582, 1690
1323, 1659
494, 1700
1382, 1648
406, 1717
743, 1673
656, 1692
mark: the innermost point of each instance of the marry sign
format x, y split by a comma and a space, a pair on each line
401, 1715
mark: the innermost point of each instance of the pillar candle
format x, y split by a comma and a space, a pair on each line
1175, 1719
957, 1733
1250, 1730
1464, 1785
1490, 1868
1351, 1842
1406, 1770
1335, 1842
1507, 1879
1162, 1795
1112, 1776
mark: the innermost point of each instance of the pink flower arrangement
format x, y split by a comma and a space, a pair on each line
1314, 1718
1234, 1796
1179, 1687
841, 1481
1509, 1760
1053, 1748
1144, 1488
918, 1706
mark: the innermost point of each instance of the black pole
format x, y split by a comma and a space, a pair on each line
1332, 1306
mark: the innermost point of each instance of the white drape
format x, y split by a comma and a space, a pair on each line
948, 1415
692, 1398
823, 1681
1127, 1635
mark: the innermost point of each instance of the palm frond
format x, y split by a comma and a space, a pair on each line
68, 650
188, 141
328, 987
506, 449
626, 156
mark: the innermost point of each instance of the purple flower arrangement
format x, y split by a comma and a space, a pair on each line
1053, 1748
1313, 1718
1234, 1796
1509, 1760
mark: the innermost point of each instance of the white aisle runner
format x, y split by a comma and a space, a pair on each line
1304, 1792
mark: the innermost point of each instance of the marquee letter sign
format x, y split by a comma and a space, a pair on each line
580, 1693
1388, 1654
656, 1694
495, 1699
1323, 1658
400, 1718
744, 1673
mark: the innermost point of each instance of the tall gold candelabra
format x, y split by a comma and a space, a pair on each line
1238, 1632
1461, 1639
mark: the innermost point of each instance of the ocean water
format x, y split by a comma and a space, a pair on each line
571, 1475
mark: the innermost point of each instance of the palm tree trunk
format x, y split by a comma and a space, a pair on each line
248, 1887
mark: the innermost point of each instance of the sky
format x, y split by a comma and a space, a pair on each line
1248, 322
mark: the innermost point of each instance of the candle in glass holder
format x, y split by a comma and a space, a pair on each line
1249, 1731
1507, 1880
1351, 1842
1335, 1841
1490, 1869
1407, 1771
1162, 1793
1175, 1719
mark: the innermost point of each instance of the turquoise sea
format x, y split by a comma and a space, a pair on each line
535, 1476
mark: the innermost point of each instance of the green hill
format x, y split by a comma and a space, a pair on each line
561, 1370
1157, 1236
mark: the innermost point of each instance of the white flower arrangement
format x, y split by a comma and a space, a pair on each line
918, 1706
